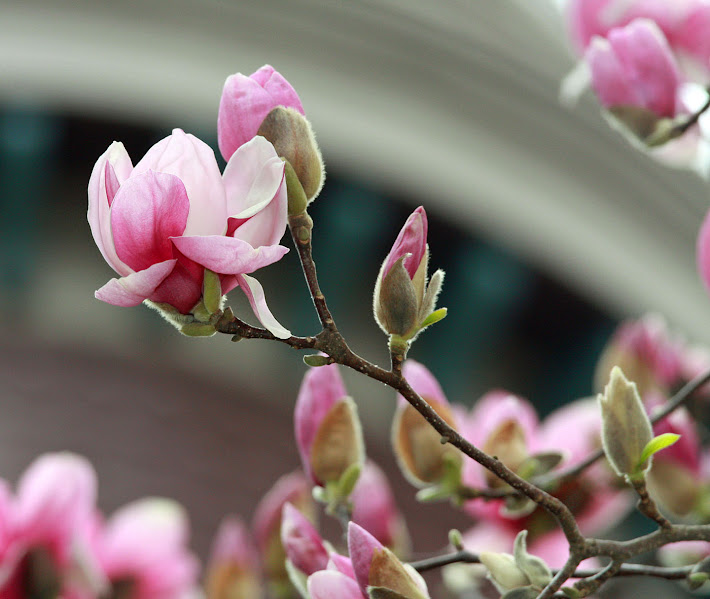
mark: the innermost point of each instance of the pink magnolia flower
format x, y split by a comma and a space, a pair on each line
161, 224
574, 432
233, 569
634, 66
590, 18
143, 548
245, 103
402, 299
50, 517
327, 584
302, 543
374, 508
327, 428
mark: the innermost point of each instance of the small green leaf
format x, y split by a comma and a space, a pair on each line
434, 317
348, 480
696, 580
211, 291
571, 592
383, 593
657, 444
456, 539
316, 360
528, 592
437, 493
197, 329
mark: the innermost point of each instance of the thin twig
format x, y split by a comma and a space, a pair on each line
647, 506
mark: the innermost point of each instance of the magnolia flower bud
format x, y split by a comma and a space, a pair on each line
376, 566
302, 543
292, 136
233, 569
423, 458
626, 429
403, 302
327, 427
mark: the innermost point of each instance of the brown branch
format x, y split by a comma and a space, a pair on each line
647, 506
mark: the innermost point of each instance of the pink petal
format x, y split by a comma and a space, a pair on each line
134, 288
193, 162
580, 416
256, 194
692, 35
411, 240
148, 210
98, 214
321, 388
182, 288
361, 546
424, 382
246, 101
609, 79
226, 255
301, 541
328, 584
255, 294
496, 408
233, 544
373, 505
703, 251
341, 564
648, 62
55, 499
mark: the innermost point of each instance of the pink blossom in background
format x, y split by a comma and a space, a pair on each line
52, 511
245, 103
144, 546
634, 66
160, 224
302, 542
374, 508
589, 18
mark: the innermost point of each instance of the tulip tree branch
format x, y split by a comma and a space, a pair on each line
647, 506
625, 571
330, 342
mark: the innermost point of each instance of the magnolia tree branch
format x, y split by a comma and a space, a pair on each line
330, 342
626, 570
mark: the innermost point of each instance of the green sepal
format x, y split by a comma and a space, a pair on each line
316, 360
655, 445
456, 539
528, 592
696, 580
297, 200
348, 480
539, 464
434, 317
383, 593
197, 329
436, 493
298, 579
535, 568
571, 592
211, 291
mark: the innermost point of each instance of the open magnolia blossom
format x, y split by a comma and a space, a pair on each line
180, 234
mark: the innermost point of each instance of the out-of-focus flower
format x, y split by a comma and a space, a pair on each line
423, 459
233, 569
143, 551
329, 584
403, 302
301, 541
647, 353
376, 566
374, 508
590, 18
245, 103
172, 223
327, 427
636, 77
291, 488
48, 528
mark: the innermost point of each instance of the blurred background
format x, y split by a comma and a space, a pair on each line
549, 226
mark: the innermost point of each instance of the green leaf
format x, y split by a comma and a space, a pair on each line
383, 593
316, 360
657, 444
211, 291
348, 480
434, 317
437, 493
571, 592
